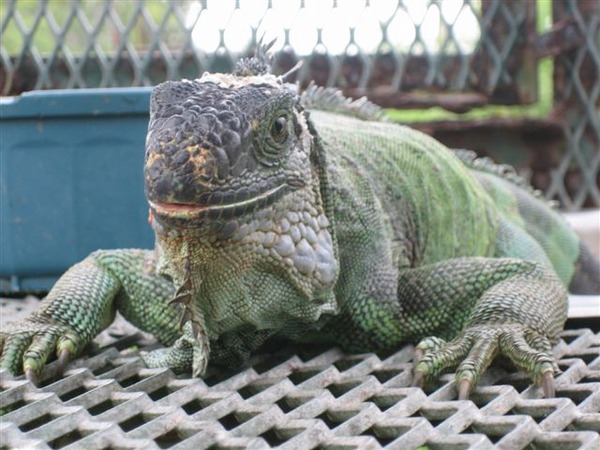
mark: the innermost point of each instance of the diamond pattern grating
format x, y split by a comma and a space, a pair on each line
298, 397
577, 88
465, 45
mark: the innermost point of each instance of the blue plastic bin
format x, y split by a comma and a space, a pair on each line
71, 180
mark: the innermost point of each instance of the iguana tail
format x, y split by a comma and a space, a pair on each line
531, 228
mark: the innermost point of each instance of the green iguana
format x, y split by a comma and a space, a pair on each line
311, 217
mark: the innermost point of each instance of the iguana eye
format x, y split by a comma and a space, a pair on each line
273, 135
279, 129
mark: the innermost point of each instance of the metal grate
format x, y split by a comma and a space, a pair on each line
302, 397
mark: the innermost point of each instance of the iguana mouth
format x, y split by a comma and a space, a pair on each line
191, 211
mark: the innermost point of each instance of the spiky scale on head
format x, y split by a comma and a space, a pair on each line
259, 64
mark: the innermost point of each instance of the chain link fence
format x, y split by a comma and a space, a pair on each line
576, 179
395, 46
453, 54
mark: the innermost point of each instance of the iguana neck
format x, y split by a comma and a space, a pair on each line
282, 257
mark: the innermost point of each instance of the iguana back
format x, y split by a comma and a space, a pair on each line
437, 205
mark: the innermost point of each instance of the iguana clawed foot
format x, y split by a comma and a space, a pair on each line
190, 351
25, 347
473, 350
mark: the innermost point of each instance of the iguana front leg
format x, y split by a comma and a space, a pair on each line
486, 306
518, 316
83, 302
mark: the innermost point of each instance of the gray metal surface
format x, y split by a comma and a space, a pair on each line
297, 397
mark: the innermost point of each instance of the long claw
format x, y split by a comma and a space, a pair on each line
417, 356
31, 376
63, 359
418, 379
464, 389
548, 384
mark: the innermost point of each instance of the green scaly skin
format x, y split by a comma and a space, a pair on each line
312, 218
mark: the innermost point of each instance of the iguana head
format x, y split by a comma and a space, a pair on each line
221, 147
235, 189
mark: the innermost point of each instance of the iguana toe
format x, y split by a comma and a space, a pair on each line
70, 342
418, 379
484, 348
440, 356
187, 354
27, 346
12, 352
530, 353
38, 351
471, 353
178, 359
